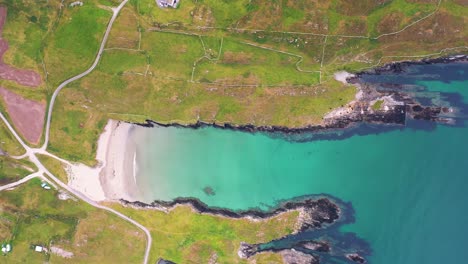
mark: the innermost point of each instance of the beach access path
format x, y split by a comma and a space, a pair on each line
45, 174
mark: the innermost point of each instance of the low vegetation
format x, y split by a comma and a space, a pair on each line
183, 236
8, 143
12, 170
30, 216
54, 166
241, 62
377, 105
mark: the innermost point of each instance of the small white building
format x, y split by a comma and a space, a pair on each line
38, 249
168, 3
76, 3
6, 248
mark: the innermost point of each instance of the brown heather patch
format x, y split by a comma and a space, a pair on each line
357, 26
125, 33
266, 257
230, 57
308, 5
315, 21
423, 1
358, 8
27, 115
202, 16
268, 16
461, 2
232, 91
390, 22
442, 30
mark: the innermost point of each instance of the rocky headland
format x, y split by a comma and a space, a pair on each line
313, 212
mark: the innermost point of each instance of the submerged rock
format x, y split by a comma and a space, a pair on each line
320, 246
208, 190
356, 258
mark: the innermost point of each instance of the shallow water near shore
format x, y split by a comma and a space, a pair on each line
408, 187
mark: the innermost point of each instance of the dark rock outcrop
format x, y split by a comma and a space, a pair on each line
320, 246
247, 250
291, 256
314, 212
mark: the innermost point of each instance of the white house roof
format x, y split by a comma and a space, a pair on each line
38, 249
165, 3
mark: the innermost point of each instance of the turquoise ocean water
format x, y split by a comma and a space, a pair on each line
408, 187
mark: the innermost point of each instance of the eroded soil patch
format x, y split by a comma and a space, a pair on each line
23, 77
27, 115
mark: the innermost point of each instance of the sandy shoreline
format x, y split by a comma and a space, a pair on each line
114, 176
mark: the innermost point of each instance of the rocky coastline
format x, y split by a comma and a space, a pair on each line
390, 106
381, 104
398, 67
313, 212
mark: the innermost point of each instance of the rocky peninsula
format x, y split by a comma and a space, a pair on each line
315, 213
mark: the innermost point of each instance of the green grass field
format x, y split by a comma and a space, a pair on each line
12, 170
161, 65
30, 215
8, 142
183, 236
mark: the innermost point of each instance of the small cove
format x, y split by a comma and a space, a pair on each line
407, 186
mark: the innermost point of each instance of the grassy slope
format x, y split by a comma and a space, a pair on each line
239, 83
182, 236
30, 215
156, 81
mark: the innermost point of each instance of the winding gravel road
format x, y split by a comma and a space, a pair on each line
54, 181
116, 11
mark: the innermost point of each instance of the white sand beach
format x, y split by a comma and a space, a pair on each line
113, 178
341, 76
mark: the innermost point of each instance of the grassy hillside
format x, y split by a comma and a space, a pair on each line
242, 62
183, 236
30, 215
